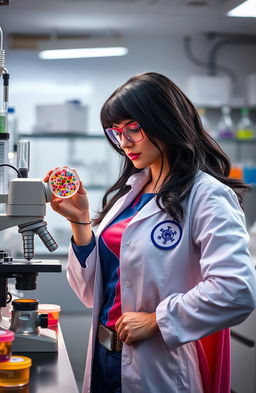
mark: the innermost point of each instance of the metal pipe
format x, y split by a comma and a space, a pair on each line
212, 59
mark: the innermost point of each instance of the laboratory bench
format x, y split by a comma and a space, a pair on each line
51, 372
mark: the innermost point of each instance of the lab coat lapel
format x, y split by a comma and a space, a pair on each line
136, 182
148, 210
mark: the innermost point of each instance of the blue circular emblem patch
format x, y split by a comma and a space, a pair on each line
166, 234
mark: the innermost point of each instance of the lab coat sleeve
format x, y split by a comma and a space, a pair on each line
227, 292
81, 274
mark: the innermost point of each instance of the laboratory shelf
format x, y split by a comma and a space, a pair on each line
97, 188
236, 141
61, 135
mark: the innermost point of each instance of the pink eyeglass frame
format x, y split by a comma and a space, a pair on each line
120, 130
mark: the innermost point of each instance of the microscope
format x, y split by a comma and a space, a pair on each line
25, 206
24, 201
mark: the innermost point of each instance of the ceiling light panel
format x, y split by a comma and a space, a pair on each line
176, 3
247, 9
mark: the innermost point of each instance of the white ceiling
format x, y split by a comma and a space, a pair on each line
137, 18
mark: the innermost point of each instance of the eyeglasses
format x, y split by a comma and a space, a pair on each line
132, 132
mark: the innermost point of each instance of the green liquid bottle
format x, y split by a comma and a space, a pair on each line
3, 121
245, 128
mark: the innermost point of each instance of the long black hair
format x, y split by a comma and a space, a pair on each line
165, 114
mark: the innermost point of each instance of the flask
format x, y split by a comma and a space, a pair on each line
225, 126
245, 127
205, 121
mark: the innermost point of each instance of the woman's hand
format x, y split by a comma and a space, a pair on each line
136, 326
75, 208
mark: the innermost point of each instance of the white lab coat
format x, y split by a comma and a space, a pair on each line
198, 277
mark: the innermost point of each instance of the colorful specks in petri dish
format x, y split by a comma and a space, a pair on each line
64, 182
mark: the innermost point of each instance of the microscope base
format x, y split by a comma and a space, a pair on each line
42, 342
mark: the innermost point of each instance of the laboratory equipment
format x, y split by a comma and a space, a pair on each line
53, 312
3, 121
225, 126
209, 90
249, 172
4, 136
23, 157
205, 121
6, 339
4, 148
64, 182
25, 317
245, 127
16, 372
236, 171
69, 117
12, 128
25, 206
26, 320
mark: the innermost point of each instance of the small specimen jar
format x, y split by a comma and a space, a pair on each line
64, 182
6, 339
53, 311
16, 372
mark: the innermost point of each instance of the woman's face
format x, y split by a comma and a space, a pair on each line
143, 153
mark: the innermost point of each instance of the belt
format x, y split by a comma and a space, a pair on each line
109, 339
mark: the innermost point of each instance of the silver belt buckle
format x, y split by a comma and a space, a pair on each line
106, 337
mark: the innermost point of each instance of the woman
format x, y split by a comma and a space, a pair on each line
167, 271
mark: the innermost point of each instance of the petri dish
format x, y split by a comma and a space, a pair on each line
64, 182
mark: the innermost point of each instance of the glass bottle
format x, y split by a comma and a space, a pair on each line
245, 127
12, 128
225, 126
205, 121
3, 121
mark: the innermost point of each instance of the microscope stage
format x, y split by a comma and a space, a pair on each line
33, 266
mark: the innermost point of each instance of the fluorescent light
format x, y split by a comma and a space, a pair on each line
246, 9
82, 53
74, 49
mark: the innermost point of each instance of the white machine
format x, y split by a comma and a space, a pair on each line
26, 207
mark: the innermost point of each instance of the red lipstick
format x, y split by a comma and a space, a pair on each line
133, 156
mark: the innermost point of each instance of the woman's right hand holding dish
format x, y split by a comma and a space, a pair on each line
75, 208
